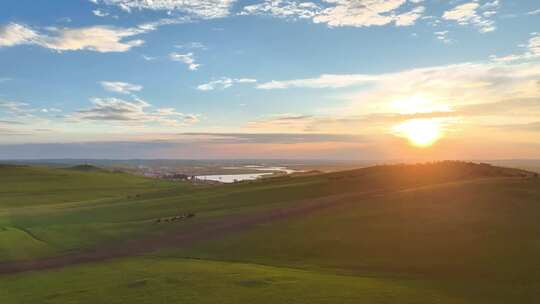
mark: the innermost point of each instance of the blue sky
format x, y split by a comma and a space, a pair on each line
215, 74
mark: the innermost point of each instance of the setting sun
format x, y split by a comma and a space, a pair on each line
420, 132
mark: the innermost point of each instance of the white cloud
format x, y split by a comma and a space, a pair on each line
336, 13
120, 87
367, 13
443, 36
148, 58
462, 13
96, 38
15, 107
409, 18
532, 51
283, 9
14, 34
100, 13
535, 12
187, 59
469, 14
224, 83
137, 112
495, 4
114, 109
206, 9
324, 81
451, 77
191, 45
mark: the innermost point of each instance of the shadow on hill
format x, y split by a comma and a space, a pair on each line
390, 176
449, 169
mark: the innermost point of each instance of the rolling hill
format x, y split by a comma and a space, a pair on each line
448, 232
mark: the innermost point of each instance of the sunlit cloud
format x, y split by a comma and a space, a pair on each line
338, 13
448, 99
532, 51
323, 81
471, 14
98, 38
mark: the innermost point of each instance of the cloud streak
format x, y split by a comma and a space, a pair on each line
205, 9
187, 59
332, 81
223, 83
97, 38
120, 87
137, 112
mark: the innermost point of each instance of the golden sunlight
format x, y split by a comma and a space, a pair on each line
418, 104
420, 132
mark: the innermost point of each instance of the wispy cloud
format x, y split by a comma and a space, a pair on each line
96, 38
338, 13
191, 45
11, 122
100, 13
148, 58
443, 36
15, 108
532, 51
324, 81
535, 12
188, 59
283, 9
475, 14
462, 94
132, 112
205, 9
224, 83
120, 87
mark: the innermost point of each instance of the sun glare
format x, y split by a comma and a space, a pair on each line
420, 132
418, 104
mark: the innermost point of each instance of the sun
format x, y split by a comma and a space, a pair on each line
420, 132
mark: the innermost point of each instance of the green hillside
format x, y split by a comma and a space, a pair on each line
446, 232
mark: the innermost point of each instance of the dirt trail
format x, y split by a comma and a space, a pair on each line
184, 236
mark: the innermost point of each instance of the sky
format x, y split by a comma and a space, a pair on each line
331, 79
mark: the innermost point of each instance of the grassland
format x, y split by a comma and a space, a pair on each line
437, 233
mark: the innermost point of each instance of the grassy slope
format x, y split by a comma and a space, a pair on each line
22, 186
482, 239
68, 210
165, 280
463, 242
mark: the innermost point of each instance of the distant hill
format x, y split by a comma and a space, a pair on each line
87, 168
442, 169
403, 176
